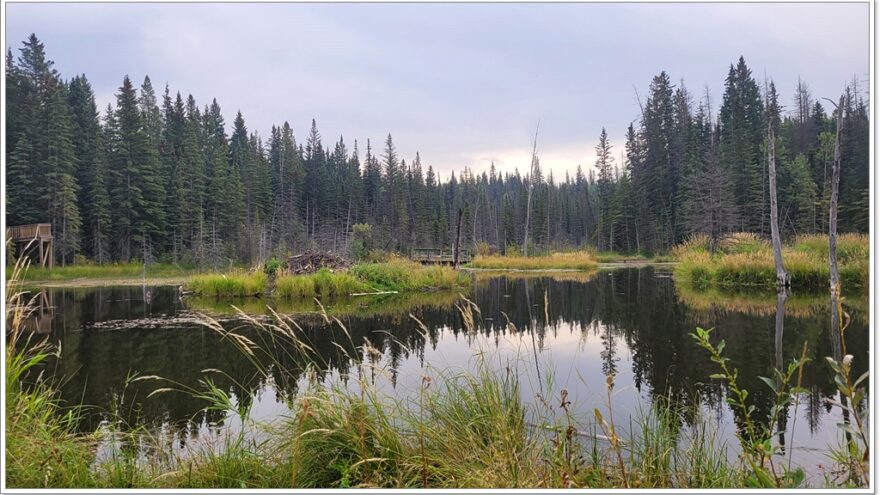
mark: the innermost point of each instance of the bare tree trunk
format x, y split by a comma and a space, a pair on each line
782, 279
832, 213
529, 195
455, 252
528, 218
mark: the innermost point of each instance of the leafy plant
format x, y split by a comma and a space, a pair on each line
755, 436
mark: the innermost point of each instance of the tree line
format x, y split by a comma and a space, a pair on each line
158, 177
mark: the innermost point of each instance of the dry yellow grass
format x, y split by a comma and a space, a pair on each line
579, 260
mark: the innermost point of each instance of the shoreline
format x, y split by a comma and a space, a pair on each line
87, 282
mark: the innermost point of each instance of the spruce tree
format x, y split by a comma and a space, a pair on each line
60, 168
93, 200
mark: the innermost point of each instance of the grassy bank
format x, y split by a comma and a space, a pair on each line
579, 260
743, 260
395, 275
108, 271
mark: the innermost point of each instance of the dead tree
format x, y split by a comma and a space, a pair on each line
832, 210
782, 278
534, 167
455, 252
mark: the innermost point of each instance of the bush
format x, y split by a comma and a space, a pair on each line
361, 242
272, 266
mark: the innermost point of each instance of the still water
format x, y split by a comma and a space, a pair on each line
567, 331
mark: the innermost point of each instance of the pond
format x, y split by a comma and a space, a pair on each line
562, 331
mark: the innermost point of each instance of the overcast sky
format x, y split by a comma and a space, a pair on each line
464, 84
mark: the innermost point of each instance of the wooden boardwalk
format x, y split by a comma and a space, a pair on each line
438, 256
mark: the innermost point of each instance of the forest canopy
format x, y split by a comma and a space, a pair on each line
157, 177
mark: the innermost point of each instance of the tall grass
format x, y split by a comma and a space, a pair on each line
403, 275
237, 283
744, 260
41, 448
580, 260
323, 283
95, 271
396, 274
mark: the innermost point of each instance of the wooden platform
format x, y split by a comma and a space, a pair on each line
33, 239
438, 256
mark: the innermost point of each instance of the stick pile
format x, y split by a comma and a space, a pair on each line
312, 261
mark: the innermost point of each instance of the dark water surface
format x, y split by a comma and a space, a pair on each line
569, 331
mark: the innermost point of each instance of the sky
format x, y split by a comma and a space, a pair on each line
463, 84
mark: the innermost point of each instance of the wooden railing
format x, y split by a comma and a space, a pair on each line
30, 231
438, 255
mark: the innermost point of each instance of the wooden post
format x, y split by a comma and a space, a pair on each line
457, 241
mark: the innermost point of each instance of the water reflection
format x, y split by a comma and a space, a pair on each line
633, 323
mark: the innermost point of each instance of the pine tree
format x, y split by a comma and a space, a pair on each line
93, 200
604, 164
136, 189
741, 141
223, 203
60, 169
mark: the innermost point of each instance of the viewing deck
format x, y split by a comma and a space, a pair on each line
33, 239
438, 256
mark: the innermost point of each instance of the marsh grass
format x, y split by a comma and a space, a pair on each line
399, 274
744, 260
234, 284
41, 448
394, 275
95, 271
578, 260
323, 283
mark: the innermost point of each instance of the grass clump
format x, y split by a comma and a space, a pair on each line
396, 274
403, 275
579, 260
235, 284
744, 260
323, 283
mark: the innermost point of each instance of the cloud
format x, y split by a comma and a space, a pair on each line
461, 83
